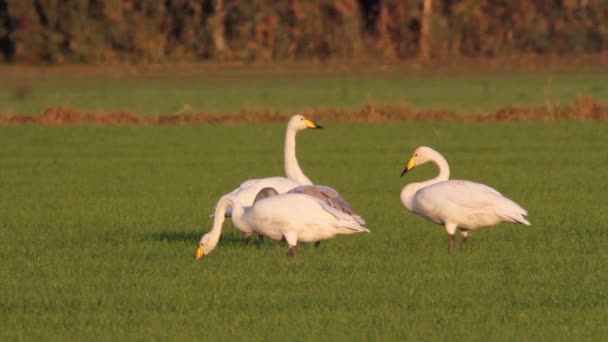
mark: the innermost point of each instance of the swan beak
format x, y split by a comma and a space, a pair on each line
200, 252
410, 165
310, 124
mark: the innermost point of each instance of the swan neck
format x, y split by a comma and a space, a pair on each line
292, 168
444, 169
443, 175
219, 217
410, 190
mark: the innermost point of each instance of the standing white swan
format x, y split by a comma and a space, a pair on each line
456, 204
305, 214
247, 191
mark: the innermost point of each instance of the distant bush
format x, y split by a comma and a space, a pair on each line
145, 31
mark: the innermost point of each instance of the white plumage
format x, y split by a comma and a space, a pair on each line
247, 191
456, 204
295, 216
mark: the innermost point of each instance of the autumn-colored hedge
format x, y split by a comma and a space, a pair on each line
582, 109
146, 31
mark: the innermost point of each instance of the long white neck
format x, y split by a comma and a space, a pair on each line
410, 190
292, 168
218, 219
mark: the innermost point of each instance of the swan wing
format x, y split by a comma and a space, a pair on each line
302, 211
460, 198
246, 192
462, 193
330, 200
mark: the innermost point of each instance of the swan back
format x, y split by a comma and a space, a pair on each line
246, 193
330, 199
467, 204
301, 213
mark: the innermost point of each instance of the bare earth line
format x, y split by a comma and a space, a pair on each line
583, 108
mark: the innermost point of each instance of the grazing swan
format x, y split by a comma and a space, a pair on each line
210, 240
305, 214
247, 191
456, 203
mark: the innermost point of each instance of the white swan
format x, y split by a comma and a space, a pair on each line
456, 203
247, 191
305, 214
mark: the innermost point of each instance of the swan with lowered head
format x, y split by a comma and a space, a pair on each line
307, 213
247, 191
456, 204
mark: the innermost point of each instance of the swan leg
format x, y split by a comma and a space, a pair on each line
317, 244
292, 252
465, 235
292, 241
451, 243
451, 229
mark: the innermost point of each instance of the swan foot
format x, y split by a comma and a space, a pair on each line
451, 243
292, 252
317, 244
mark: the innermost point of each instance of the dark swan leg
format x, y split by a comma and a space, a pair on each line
451, 243
317, 244
465, 236
292, 252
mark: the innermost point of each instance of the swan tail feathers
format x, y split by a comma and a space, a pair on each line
523, 220
358, 229
354, 226
516, 217
359, 219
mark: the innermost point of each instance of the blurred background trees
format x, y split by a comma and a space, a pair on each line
158, 31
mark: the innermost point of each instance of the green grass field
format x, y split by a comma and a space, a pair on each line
225, 90
99, 225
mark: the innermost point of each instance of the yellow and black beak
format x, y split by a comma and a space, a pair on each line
311, 124
200, 252
410, 165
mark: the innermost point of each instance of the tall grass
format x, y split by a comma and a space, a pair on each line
98, 228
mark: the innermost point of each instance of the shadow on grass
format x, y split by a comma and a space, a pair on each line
227, 238
174, 236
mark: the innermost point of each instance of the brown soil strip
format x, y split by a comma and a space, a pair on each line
534, 62
582, 109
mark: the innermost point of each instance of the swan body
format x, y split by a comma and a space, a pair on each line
456, 204
247, 191
294, 216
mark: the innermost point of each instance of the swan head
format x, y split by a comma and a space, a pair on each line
206, 245
420, 156
300, 122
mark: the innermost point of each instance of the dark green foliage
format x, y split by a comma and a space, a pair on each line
145, 31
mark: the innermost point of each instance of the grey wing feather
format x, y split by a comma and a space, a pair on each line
330, 197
